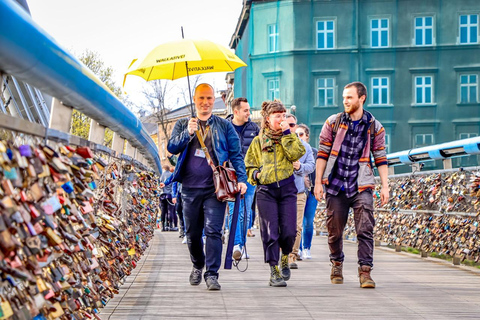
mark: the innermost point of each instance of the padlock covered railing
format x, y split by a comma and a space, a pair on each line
73, 225
430, 211
32, 56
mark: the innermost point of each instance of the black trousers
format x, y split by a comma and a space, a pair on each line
179, 210
168, 210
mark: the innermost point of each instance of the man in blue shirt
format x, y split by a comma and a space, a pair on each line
201, 209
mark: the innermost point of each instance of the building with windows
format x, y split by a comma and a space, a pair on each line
420, 61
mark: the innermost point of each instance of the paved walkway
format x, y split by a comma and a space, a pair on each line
408, 287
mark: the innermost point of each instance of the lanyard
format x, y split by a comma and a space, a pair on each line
204, 132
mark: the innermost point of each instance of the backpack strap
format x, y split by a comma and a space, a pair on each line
337, 124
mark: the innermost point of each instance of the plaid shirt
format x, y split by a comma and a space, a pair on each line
344, 175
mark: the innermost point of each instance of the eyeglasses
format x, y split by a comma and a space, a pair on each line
292, 125
300, 134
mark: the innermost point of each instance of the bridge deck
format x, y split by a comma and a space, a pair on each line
407, 287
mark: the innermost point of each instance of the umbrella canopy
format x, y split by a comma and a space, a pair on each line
168, 61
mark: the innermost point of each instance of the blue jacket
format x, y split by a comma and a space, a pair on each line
250, 131
164, 178
307, 166
225, 143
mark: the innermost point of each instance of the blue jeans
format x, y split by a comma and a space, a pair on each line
308, 217
203, 213
241, 233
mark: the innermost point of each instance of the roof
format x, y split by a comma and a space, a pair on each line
151, 128
185, 111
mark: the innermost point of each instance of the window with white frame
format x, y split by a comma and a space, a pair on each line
425, 139
468, 29
468, 88
272, 38
424, 31
465, 135
273, 87
326, 34
379, 33
326, 92
423, 90
380, 91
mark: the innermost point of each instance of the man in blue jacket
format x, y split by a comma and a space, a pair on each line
246, 130
201, 209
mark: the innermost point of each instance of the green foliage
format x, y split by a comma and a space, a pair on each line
95, 63
108, 137
81, 123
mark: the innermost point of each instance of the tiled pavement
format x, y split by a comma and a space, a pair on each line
408, 287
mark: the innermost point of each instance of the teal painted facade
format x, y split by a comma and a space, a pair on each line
420, 61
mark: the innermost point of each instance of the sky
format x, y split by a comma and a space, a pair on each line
121, 30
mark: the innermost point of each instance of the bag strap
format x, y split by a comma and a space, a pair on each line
205, 150
231, 237
337, 124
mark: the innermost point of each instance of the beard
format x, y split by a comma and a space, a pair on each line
352, 108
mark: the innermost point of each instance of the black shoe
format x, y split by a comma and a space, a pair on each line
285, 268
276, 279
212, 283
195, 276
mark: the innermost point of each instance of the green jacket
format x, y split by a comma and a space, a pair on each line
275, 165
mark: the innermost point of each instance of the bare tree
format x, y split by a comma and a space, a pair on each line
156, 91
194, 81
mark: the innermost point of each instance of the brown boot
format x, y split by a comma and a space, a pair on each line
336, 276
366, 280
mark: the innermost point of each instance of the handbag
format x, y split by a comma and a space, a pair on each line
224, 178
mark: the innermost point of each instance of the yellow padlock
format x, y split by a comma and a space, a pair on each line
7, 311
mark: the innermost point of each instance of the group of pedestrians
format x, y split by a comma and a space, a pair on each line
287, 177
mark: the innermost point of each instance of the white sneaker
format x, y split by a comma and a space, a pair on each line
245, 255
184, 241
237, 252
307, 254
300, 255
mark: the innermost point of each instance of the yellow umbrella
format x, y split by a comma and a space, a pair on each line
178, 59
167, 61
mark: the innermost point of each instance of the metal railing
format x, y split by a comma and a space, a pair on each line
32, 56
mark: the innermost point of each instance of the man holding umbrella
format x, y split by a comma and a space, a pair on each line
202, 211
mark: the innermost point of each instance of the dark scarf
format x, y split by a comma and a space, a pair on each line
269, 137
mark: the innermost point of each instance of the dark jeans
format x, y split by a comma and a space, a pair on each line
202, 210
179, 210
277, 212
337, 215
168, 211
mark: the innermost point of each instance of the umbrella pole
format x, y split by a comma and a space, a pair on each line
190, 91
188, 81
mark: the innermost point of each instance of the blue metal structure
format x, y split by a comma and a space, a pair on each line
441, 151
31, 55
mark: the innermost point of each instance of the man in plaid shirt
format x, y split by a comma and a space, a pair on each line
345, 169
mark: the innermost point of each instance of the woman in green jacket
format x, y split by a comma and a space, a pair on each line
269, 166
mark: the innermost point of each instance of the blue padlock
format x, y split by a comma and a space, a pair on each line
68, 187
10, 174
